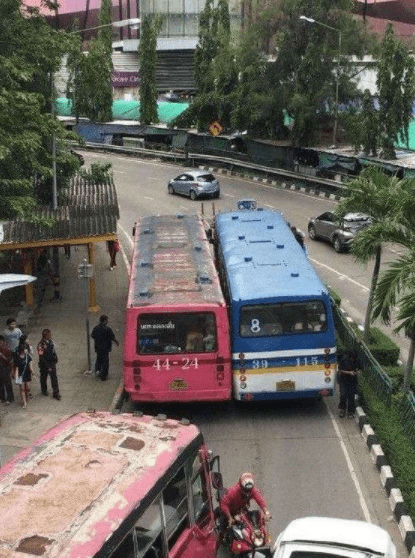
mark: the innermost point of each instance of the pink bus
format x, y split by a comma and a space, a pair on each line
110, 486
176, 345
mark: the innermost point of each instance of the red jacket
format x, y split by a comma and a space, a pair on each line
236, 498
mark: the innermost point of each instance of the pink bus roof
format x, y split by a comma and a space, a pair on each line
66, 494
173, 264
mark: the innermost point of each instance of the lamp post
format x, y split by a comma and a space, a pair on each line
336, 109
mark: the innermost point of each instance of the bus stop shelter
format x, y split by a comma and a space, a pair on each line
87, 214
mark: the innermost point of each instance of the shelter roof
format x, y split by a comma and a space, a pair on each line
87, 212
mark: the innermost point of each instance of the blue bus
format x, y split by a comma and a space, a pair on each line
282, 329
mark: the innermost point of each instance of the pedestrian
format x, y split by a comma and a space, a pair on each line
348, 367
103, 337
6, 362
113, 247
12, 334
299, 235
48, 360
23, 370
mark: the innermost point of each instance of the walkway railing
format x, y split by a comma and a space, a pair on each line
407, 415
372, 372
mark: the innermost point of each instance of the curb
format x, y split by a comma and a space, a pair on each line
285, 185
118, 399
387, 480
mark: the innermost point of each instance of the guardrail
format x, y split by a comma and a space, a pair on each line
191, 159
374, 375
407, 414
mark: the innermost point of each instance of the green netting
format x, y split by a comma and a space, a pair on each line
128, 110
411, 134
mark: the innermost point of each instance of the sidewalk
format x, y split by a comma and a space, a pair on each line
66, 319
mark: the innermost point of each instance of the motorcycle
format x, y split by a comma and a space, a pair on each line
247, 537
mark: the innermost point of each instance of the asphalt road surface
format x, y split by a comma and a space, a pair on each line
307, 461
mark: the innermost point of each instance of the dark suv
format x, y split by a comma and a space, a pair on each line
339, 232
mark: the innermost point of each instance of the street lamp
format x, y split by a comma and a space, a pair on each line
336, 113
122, 23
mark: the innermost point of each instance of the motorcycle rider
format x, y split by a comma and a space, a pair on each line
238, 497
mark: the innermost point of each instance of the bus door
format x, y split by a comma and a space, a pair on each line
180, 522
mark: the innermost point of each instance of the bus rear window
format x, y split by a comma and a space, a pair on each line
263, 320
176, 333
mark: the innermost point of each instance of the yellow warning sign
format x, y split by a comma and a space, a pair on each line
215, 128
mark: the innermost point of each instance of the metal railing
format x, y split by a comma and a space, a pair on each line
407, 415
372, 372
269, 172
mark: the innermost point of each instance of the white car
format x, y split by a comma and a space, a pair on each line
325, 537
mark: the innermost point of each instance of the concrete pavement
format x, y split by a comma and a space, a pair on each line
66, 319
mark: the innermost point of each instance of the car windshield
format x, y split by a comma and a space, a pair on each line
206, 178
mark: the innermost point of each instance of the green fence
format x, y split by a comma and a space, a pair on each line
372, 372
407, 414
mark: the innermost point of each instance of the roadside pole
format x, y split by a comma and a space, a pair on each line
85, 271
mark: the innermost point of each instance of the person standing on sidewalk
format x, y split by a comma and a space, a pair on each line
6, 360
113, 247
103, 337
48, 360
348, 366
12, 334
23, 370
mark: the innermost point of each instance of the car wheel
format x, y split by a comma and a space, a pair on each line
337, 245
171, 189
216, 195
193, 195
312, 232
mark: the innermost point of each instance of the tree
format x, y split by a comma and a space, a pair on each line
147, 55
31, 52
379, 196
93, 87
396, 86
304, 72
395, 292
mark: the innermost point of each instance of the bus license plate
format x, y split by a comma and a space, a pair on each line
286, 385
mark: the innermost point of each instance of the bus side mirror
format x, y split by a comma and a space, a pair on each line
217, 480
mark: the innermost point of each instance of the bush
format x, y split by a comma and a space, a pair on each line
396, 374
99, 173
335, 296
383, 349
398, 448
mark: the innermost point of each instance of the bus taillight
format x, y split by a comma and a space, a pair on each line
327, 364
136, 371
220, 376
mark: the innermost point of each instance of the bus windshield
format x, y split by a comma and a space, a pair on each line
176, 333
261, 320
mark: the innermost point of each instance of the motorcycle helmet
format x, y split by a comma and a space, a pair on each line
246, 480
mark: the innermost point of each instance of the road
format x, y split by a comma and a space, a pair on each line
307, 460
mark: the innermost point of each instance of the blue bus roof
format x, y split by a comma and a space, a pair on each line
263, 259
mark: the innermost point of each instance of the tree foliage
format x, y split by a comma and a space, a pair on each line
396, 86
31, 51
147, 56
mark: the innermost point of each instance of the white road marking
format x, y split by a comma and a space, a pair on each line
228, 195
341, 275
355, 480
148, 198
127, 236
118, 171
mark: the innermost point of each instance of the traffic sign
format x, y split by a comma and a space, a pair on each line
215, 128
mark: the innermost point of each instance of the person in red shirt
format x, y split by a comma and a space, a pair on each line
239, 496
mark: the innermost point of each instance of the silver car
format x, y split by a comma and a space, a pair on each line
195, 184
339, 232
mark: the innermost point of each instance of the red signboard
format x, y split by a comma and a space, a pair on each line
125, 79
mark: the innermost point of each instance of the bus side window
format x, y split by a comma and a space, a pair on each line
175, 505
